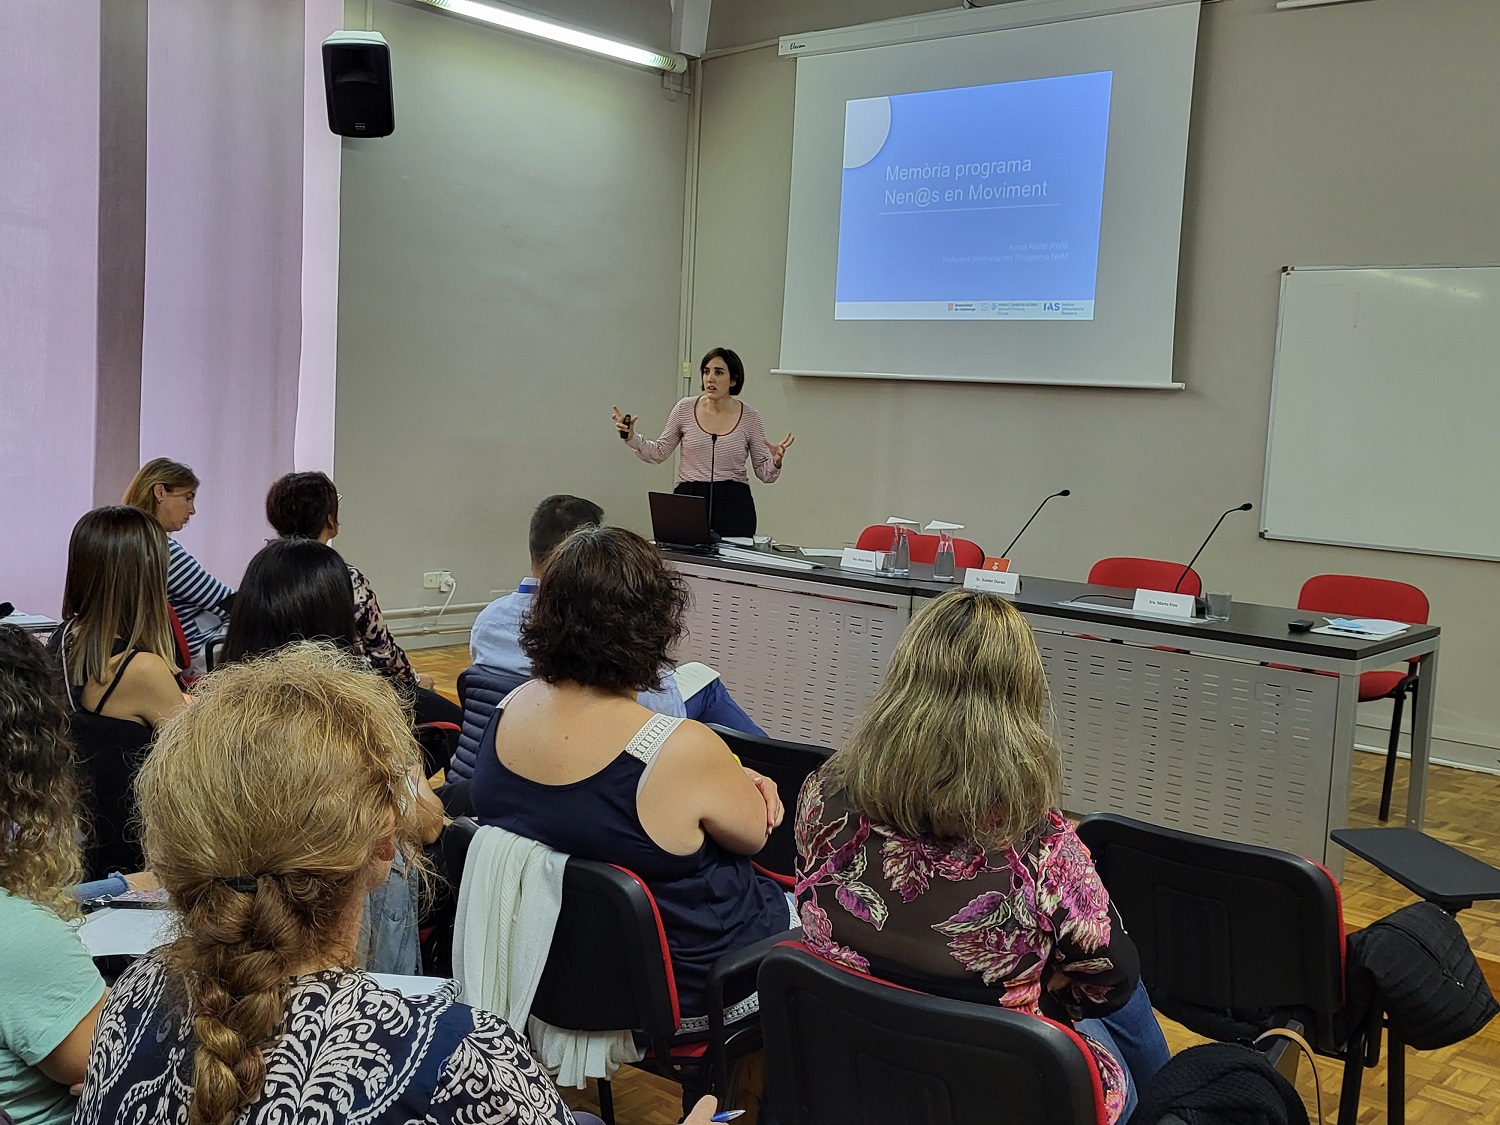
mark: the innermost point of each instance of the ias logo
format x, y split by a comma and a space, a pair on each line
950, 306
1052, 306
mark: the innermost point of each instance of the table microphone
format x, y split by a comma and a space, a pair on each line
1005, 554
1245, 507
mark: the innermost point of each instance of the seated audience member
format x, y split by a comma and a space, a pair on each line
298, 590
573, 761
169, 491
306, 506
271, 808
116, 636
50, 992
932, 852
495, 640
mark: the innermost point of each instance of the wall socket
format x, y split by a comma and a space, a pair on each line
433, 579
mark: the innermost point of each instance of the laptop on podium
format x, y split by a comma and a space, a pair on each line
680, 523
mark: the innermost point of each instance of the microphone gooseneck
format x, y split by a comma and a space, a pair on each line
1005, 554
1245, 507
713, 453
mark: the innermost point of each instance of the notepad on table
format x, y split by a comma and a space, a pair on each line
1372, 628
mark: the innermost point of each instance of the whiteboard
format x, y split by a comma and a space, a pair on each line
1385, 404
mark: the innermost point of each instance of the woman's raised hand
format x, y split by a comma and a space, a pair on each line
624, 423
779, 451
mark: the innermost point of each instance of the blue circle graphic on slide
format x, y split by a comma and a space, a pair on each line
867, 124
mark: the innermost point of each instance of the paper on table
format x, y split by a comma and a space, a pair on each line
409, 987
113, 932
939, 525
1364, 626
739, 540
824, 552
693, 677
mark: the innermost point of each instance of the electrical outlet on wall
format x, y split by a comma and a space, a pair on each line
433, 580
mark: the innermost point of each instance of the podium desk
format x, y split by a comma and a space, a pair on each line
1187, 724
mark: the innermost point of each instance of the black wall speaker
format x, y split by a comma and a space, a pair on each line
357, 80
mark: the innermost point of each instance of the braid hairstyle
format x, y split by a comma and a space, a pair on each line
292, 769
40, 818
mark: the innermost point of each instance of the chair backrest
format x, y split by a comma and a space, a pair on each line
844, 1049
788, 764
439, 742
1354, 596
1144, 574
110, 752
480, 690
1225, 931
922, 548
609, 967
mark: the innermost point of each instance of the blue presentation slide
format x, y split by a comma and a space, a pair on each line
980, 203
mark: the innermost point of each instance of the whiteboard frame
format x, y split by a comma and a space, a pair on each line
1265, 482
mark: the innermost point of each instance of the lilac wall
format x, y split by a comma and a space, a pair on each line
49, 153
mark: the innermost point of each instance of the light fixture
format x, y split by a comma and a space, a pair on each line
512, 20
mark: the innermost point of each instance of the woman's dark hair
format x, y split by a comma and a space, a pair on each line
293, 590
300, 505
731, 361
607, 613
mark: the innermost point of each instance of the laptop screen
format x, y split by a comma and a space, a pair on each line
679, 520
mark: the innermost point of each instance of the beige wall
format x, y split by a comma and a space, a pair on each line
1352, 134
510, 268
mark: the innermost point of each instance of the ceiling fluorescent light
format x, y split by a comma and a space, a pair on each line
512, 20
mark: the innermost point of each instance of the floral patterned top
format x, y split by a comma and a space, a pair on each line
1029, 926
351, 1051
375, 640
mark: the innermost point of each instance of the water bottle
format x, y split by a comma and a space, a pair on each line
943, 569
900, 554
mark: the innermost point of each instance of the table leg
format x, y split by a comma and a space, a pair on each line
1341, 765
1421, 739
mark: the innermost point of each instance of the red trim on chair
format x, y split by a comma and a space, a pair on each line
661, 936
1100, 1113
1338, 898
179, 639
786, 881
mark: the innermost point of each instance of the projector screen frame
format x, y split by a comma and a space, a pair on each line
1140, 327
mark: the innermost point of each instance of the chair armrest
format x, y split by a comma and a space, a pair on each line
1429, 868
735, 963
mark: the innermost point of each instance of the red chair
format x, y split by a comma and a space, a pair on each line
1145, 574
878, 537
1351, 596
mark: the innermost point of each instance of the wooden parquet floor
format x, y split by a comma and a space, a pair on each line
1456, 1086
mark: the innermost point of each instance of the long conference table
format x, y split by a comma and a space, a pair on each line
1238, 729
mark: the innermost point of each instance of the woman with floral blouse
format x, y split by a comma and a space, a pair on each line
933, 854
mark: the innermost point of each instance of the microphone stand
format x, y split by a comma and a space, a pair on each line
713, 453
1005, 554
1176, 586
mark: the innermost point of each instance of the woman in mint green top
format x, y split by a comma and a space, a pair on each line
50, 992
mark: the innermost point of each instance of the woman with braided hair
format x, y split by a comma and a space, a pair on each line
271, 807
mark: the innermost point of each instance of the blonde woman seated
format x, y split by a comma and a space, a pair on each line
932, 852
271, 807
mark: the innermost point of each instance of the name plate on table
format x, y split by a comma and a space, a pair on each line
1158, 603
867, 561
992, 581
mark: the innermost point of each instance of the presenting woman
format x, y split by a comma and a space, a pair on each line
717, 434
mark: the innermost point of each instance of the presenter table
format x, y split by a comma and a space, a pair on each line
1188, 724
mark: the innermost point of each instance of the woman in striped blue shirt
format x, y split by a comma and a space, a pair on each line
168, 490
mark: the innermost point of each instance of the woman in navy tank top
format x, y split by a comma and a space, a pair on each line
573, 761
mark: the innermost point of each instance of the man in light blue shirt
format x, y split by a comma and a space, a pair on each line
495, 640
